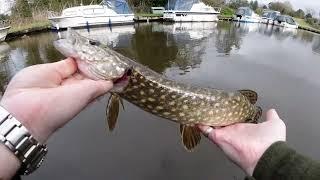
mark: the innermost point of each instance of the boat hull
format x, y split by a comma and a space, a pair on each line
3, 33
180, 16
80, 21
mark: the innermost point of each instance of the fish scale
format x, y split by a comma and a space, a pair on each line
181, 103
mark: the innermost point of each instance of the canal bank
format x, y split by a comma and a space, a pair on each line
17, 31
44, 26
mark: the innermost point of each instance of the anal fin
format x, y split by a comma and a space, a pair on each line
190, 136
252, 96
113, 110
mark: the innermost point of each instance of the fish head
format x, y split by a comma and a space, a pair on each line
95, 60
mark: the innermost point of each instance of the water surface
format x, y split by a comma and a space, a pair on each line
282, 65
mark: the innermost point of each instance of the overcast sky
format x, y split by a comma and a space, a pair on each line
302, 4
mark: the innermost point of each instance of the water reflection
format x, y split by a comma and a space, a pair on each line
316, 45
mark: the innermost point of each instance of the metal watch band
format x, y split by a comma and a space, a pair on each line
19, 141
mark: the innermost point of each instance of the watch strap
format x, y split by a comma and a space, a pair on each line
20, 142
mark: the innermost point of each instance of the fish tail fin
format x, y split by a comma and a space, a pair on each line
190, 136
252, 96
112, 111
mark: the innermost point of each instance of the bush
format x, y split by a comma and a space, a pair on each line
225, 10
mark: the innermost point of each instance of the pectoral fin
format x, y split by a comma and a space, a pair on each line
113, 111
190, 136
252, 96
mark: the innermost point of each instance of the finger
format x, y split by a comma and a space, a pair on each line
75, 78
44, 75
206, 130
86, 90
272, 115
64, 68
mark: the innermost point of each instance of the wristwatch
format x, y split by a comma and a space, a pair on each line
20, 142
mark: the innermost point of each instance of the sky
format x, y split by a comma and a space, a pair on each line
300, 4
303, 4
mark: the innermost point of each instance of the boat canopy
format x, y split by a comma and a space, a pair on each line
244, 11
181, 5
119, 6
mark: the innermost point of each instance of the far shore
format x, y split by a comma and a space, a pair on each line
44, 26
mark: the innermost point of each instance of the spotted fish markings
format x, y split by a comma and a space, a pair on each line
154, 93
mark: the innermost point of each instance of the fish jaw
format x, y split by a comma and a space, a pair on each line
93, 61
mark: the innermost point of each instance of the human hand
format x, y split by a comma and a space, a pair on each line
244, 144
45, 97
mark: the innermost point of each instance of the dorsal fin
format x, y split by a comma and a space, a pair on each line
190, 136
252, 96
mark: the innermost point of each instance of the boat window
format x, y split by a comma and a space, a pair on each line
281, 18
289, 20
266, 14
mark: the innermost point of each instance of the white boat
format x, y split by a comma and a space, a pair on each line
245, 14
3, 33
286, 21
197, 12
108, 12
269, 16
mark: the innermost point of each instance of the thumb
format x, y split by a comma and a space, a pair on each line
86, 90
272, 115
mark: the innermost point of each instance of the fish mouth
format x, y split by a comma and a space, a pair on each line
121, 83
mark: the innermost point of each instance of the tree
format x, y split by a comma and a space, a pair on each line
311, 11
283, 7
264, 7
22, 9
213, 3
254, 5
308, 16
235, 4
299, 13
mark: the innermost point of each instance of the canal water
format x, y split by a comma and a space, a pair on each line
282, 65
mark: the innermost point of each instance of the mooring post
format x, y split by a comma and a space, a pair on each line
88, 27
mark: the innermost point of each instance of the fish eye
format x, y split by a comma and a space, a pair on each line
94, 43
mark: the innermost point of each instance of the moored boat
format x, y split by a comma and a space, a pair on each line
245, 14
108, 12
269, 16
192, 12
286, 21
4, 32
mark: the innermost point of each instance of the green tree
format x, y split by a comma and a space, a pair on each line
227, 11
283, 7
254, 5
299, 13
213, 3
308, 16
22, 9
235, 4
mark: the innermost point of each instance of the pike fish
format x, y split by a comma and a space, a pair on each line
181, 103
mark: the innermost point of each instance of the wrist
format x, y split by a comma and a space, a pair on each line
9, 163
28, 119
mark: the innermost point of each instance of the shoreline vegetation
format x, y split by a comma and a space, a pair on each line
29, 18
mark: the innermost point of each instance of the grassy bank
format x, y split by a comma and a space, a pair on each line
28, 27
306, 26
